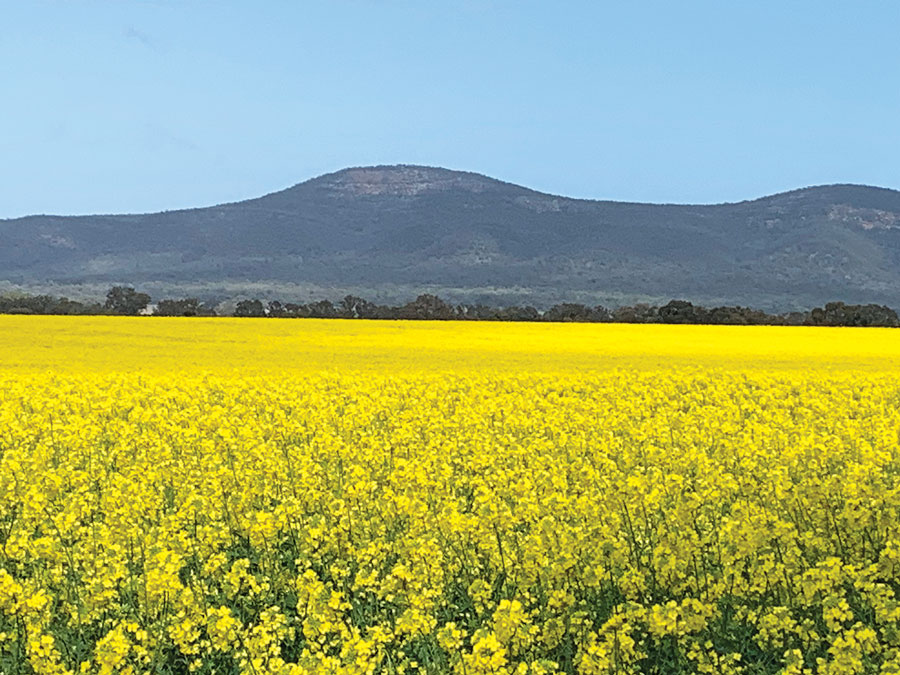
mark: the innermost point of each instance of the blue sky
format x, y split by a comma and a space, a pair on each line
144, 105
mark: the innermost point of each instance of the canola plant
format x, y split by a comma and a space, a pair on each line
291, 497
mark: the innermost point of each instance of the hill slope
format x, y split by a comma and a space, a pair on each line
391, 232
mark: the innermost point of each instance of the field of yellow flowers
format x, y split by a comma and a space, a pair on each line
297, 497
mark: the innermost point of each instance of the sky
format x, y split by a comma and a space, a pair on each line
124, 106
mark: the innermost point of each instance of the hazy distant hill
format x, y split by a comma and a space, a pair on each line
391, 232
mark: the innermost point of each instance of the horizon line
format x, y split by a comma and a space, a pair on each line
457, 171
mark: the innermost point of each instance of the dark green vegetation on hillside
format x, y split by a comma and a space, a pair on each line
390, 233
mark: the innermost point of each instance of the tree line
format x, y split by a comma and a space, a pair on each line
125, 300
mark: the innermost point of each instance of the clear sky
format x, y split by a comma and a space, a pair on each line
144, 105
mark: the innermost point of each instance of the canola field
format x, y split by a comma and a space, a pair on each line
350, 497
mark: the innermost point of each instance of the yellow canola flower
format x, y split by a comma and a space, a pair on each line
351, 497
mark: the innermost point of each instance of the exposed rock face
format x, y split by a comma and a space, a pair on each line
867, 219
406, 181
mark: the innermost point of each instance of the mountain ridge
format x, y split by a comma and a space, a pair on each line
323, 177
389, 231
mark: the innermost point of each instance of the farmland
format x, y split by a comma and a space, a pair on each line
276, 496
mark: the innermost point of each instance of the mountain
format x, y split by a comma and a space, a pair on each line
391, 232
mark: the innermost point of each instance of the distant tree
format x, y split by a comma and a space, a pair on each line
477, 312
46, 304
742, 316
183, 307
680, 311
427, 306
125, 300
516, 313
249, 308
568, 312
294, 311
639, 313
323, 309
841, 314
352, 307
793, 318
601, 314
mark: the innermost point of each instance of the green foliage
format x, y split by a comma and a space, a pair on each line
427, 306
125, 300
